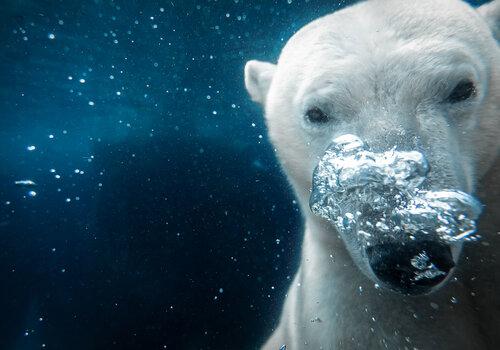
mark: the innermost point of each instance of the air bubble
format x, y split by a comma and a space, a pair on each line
383, 190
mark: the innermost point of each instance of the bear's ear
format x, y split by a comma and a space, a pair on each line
258, 78
491, 13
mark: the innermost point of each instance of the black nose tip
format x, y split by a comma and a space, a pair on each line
413, 267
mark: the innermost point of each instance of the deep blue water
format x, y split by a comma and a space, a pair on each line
161, 219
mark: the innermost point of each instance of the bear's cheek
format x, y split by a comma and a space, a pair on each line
297, 156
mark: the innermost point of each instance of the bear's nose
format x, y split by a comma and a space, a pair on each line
413, 267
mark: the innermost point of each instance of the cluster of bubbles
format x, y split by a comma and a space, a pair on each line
377, 196
425, 269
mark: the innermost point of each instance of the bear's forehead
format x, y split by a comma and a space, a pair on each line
377, 26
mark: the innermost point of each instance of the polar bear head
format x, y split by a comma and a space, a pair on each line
407, 75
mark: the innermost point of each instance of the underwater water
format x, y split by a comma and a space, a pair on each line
141, 204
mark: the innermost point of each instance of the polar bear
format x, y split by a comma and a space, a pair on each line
406, 74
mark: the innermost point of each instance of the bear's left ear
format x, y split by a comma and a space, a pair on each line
491, 13
258, 78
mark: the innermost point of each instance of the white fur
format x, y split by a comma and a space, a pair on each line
382, 70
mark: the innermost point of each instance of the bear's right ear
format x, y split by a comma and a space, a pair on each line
258, 78
491, 13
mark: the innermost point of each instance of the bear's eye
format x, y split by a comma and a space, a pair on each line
463, 91
317, 116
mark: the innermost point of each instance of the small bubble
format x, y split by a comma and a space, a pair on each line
31, 148
51, 36
32, 193
51, 136
91, 103
82, 81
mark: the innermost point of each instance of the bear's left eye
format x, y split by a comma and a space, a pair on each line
463, 91
317, 116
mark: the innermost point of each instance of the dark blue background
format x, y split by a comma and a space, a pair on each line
181, 232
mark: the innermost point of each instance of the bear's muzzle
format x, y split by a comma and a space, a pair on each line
375, 203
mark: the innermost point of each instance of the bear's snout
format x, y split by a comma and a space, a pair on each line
376, 203
411, 268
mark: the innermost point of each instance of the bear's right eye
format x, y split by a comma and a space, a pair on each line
317, 116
